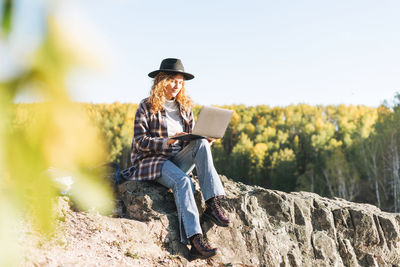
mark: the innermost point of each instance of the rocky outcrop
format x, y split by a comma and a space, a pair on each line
272, 228
269, 228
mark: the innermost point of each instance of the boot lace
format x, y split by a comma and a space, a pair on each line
203, 243
216, 205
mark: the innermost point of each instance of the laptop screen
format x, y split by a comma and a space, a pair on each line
212, 122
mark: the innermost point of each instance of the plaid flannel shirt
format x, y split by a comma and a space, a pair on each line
147, 151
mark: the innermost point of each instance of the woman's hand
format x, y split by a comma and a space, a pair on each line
171, 141
211, 140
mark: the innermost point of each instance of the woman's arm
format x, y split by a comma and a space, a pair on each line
191, 120
143, 140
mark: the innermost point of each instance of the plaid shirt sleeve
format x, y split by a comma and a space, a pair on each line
148, 134
191, 121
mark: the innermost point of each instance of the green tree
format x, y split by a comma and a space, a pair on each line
240, 159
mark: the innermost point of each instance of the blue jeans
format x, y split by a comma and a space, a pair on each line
175, 176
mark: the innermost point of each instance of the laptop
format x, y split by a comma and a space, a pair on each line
211, 123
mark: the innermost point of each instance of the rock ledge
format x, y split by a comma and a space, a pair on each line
273, 228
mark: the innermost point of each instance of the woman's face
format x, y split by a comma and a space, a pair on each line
174, 86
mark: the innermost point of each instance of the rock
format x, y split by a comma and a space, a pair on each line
269, 228
272, 228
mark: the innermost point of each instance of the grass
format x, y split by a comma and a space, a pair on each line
132, 255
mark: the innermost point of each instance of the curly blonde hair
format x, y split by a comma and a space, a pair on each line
159, 89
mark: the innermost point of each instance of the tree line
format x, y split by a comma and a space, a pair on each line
346, 151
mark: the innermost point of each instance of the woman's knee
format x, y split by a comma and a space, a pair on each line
201, 143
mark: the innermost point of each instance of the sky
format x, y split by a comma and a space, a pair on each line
267, 52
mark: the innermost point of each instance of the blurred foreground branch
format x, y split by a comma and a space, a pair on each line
58, 134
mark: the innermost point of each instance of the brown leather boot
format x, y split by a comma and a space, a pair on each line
201, 248
215, 212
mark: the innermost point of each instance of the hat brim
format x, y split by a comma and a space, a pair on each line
186, 76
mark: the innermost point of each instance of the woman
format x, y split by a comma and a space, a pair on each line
166, 113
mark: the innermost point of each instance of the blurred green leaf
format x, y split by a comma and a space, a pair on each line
56, 133
6, 16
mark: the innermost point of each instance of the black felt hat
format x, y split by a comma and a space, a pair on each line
172, 65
